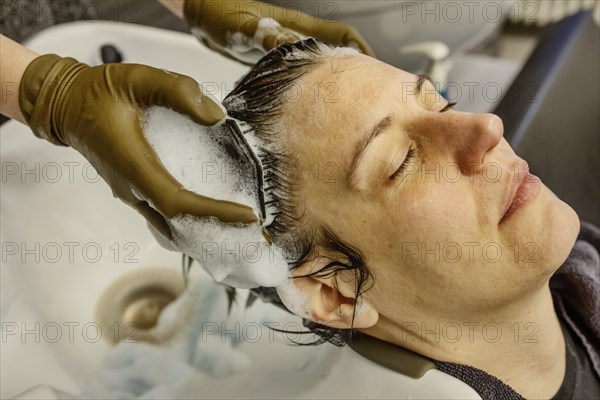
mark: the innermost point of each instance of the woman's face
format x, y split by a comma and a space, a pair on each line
434, 234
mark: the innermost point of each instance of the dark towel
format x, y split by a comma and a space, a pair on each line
487, 386
576, 290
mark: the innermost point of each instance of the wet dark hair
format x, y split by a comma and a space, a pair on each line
260, 99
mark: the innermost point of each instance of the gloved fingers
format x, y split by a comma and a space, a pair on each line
154, 218
171, 199
184, 95
326, 31
342, 35
281, 36
292, 30
254, 23
187, 202
154, 184
157, 87
147, 180
219, 19
222, 50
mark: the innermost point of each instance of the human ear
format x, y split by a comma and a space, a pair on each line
328, 301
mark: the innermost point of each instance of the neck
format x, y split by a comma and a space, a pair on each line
521, 344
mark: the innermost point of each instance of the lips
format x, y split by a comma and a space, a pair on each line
525, 187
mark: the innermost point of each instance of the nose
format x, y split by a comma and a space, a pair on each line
467, 138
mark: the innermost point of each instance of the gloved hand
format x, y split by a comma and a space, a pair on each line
230, 27
97, 111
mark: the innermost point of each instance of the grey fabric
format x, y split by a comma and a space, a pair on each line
576, 290
487, 386
580, 381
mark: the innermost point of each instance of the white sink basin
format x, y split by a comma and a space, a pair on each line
80, 236
65, 239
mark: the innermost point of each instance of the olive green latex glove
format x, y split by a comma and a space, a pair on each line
216, 22
98, 111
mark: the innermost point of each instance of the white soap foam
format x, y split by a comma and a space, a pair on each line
250, 49
294, 299
266, 27
197, 350
234, 254
193, 157
247, 46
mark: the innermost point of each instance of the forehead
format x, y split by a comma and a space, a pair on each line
334, 106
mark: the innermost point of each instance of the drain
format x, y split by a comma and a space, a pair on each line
144, 311
130, 307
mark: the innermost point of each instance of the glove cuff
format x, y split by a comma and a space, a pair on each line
40, 89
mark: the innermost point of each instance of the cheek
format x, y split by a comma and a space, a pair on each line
434, 211
429, 235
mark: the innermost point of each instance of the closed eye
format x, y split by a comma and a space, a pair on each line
412, 150
448, 107
402, 168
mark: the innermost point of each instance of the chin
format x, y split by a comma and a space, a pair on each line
562, 227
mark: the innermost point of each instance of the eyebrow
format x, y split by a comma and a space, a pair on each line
363, 144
